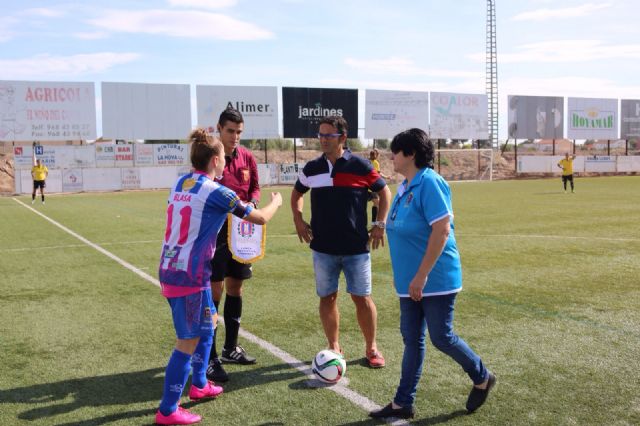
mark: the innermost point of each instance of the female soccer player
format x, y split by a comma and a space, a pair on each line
197, 207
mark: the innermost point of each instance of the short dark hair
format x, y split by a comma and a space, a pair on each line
230, 114
336, 121
415, 141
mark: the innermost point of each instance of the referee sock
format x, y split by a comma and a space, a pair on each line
214, 354
175, 379
232, 314
43, 198
33, 197
200, 361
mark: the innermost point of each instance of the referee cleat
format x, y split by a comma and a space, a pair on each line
215, 372
208, 391
178, 417
237, 356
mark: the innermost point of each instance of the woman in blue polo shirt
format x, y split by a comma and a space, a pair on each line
427, 273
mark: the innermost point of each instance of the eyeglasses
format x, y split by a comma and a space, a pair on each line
329, 135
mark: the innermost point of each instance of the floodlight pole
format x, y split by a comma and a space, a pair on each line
492, 74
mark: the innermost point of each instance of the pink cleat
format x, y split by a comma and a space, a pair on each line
178, 417
209, 391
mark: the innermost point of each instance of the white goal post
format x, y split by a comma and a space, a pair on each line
464, 164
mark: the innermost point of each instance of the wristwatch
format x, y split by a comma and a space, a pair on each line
378, 223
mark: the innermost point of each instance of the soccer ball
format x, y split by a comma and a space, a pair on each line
328, 366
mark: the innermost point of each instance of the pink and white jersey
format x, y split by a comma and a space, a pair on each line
198, 207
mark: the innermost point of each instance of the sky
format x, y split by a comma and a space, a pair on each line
545, 48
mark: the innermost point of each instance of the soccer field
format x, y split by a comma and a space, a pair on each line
551, 302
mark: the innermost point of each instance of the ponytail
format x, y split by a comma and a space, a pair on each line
203, 148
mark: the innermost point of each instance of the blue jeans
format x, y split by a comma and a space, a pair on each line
434, 313
356, 268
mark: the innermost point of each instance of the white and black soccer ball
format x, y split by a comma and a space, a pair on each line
328, 366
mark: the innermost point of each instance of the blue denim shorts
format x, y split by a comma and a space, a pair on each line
193, 314
357, 271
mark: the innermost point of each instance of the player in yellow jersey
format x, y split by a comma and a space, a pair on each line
373, 197
39, 172
566, 164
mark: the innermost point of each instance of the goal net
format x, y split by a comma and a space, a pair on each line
464, 164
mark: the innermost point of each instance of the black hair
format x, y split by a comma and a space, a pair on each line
230, 114
336, 121
415, 141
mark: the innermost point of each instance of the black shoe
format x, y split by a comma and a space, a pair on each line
237, 356
389, 411
216, 373
477, 397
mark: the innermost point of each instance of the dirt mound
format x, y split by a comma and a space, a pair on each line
7, 174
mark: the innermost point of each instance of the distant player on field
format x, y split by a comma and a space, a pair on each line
197, 207
566, 164
39, 172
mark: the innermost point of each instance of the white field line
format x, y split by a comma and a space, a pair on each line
553, 237
93, 245
63, 246
354, 397
114, 243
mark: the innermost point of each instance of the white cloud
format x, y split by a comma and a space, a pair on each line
190, 24
566, 51
44, 12
203, 4
6, 28
404, 67
48, 66
588, 87
91, 35
467, 86
567, 12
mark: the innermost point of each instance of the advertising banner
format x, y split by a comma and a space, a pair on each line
591, 118
51, 111
257, 104
171, 154
288, 173
389, 112
23, 157
105, 155
303, 108
600, 163
72, 180
536, 117
458, 116
130, 178
630, 118
146, 111
143, 155
81, 156
124, 155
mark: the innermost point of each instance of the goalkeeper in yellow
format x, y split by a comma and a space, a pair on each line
566, 164
39, 173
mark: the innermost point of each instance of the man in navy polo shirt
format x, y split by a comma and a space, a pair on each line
338, 237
